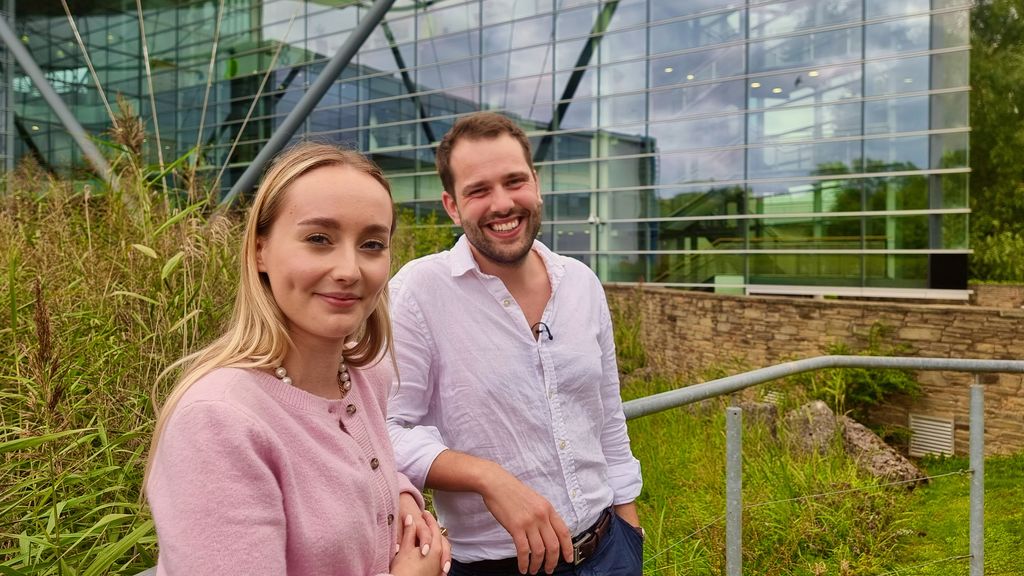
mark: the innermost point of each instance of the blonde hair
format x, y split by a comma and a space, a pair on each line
256, 336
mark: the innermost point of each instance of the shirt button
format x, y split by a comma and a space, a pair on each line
374, 463
573, 494
506, 302
562, 444
350, 409
391, 519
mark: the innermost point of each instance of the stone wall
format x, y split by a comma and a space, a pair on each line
689, 332
997, 295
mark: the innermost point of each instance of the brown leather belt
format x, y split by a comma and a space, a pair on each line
584, 545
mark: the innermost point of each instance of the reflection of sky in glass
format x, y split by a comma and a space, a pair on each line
909, 35
784, 17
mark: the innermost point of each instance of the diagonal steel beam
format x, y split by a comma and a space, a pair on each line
92, 153
302, 110
604, 18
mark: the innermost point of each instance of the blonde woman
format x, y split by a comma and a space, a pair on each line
271, 455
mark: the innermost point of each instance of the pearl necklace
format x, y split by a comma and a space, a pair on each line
344, 380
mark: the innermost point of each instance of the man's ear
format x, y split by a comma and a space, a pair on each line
536, 181
451, 207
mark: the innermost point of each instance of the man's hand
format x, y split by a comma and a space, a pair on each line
536, 528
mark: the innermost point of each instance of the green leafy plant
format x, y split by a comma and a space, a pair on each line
857, 390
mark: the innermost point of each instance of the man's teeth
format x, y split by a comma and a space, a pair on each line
505, 226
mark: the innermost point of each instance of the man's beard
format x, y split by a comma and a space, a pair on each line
503, 254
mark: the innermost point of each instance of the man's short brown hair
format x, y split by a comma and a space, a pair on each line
476, 126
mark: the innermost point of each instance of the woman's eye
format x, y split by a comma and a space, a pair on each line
318, 239
375, 245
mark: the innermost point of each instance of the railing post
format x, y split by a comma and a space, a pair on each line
734, 491
977, 424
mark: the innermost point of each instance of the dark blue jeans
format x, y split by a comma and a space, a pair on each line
621, 553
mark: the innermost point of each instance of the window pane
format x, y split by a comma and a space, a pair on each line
814, 196
897, 232
896, 270
896, 154
949, 150
950, 70
896, 76
805, 123
810, 87
951, 30
704, 65
700, 167
804, 159
702, 98
699, 133
949, 110
896, 193
909, 35
815, 49
896, 115
785, 17
685, 34
879, 8
661, 10
806, 269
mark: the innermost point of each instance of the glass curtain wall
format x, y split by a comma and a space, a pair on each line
716, 144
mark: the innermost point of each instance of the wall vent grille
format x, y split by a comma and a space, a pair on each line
930, 435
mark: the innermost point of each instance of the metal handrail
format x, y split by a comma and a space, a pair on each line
730, 384
734, 478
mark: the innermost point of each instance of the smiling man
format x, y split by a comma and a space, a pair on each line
508, 404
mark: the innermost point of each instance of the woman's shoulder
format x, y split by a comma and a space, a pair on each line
223, 385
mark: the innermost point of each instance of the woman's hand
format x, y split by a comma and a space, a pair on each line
411, 560
421, 520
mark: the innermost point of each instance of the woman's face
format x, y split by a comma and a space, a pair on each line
327, 254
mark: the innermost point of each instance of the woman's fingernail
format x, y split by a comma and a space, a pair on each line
447, 567
425, 550
408, 519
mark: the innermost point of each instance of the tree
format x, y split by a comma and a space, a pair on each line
997, 120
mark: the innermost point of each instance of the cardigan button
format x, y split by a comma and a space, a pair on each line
391, 519
374, 463
350, 409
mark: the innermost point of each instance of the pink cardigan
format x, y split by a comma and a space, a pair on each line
253, 476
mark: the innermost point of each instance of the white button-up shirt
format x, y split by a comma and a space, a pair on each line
474, 379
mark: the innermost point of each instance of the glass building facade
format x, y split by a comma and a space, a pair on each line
798, 146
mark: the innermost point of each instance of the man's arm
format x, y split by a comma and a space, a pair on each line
537, 530
623, 468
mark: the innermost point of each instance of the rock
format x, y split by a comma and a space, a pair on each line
764, 413
811, 426
874, 456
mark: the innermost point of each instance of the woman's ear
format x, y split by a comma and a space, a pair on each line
260, 267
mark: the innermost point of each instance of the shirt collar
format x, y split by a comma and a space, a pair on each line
463, 261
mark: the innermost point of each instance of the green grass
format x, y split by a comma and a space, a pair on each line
682, 451
939, 519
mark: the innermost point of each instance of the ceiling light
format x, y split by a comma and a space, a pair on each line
689, 76
755, 84
668, 69
813, 73
776, 90
35, 128
908, 80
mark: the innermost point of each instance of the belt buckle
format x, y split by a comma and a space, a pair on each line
577, 556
